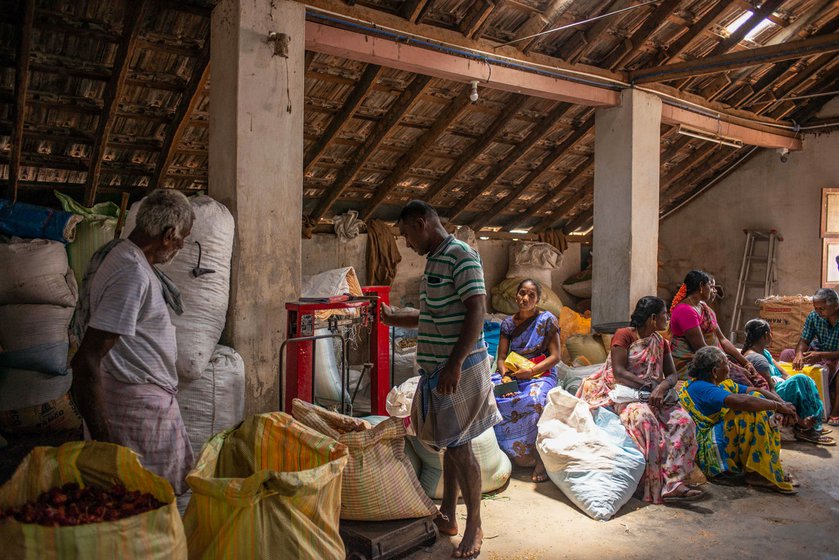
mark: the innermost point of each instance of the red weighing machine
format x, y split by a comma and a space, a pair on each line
299, 349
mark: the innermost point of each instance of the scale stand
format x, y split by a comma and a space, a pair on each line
384, 540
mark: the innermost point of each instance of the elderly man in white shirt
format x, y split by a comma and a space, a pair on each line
124, 377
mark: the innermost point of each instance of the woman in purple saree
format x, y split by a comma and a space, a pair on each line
533, 334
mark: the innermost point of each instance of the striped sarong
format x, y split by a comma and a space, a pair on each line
146, 419
452, 420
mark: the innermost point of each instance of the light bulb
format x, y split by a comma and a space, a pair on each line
473, 95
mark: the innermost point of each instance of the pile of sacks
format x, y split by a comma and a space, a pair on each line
38, 294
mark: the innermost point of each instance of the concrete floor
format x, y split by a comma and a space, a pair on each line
528, 521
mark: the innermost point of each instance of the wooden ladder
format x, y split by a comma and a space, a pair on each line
753, 279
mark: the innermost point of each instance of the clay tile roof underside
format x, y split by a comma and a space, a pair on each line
112, 96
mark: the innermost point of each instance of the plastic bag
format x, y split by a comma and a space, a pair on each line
269, 488
97, 228
590, 458
31, 221
154, 534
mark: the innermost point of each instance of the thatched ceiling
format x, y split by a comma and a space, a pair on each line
118, 93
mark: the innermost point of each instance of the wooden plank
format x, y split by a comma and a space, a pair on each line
453, 112
189, 100
812, 69
577, 134
474, 150
568, 204
681, 44
135, 13
24, 45
740, 33
532, 138
554, 16
366, 81
414, 10
658, 16
475, 17
740, 59
400, 107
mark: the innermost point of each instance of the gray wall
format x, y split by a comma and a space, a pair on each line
325, 252
763, 194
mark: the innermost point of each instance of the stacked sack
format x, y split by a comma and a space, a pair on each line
38, 295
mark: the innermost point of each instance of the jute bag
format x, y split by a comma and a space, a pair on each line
379, 482
268, 488
150, 535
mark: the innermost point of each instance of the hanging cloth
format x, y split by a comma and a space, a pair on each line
382, 254
556, 238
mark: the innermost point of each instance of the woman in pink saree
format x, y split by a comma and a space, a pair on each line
640, 359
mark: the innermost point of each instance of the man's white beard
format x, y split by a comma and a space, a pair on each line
171, 258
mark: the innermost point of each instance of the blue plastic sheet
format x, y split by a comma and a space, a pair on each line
492, 332
31, 221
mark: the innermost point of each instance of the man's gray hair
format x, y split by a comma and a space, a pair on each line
164, 209
827, 295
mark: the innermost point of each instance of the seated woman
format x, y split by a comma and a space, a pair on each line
531, 333
799, 390
733, 427
640, 358
694, 325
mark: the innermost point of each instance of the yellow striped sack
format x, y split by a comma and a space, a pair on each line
379, 482
150, 535
268, 488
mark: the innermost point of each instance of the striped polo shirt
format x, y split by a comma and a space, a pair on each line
453, 274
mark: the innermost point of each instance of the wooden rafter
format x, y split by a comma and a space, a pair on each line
805, 113
400, 107
538, 23
189, 100
532, 138
132, 22
24, 45
582, 221
414, 10
577, 134
740, 33
813, 68
574, 50
642, 34
703, 159
681, 44
368, 79
476, 16
474, 150
740, 59
449, 115
568, 204
718, 166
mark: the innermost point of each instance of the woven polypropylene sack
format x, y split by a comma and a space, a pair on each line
28, 326
495, 465
379, 482
786, 314
269, 488
20, 388
156, 534
36, 271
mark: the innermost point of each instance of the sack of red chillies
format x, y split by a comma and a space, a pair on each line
88, 500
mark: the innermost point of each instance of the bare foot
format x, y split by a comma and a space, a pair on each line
446, 524
470, 544
539, 474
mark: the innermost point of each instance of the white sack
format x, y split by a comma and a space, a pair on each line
331, 283
27, 326
204, 298
215, 401
36, 271
533, 260
590, 458
399, 399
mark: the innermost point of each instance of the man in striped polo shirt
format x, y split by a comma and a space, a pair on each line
454, 402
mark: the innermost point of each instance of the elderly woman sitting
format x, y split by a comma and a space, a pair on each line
640, 358
532, 334
799, 390
733, 427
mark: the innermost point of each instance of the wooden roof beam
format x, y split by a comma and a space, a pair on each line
367, 80
454, 111
189, 100
650, 25
24, 46
474, 150
552, 17
414, 10
476, 17
382, 128
740, 33
533, 137
551, 197
132, 22
740, 59
577, 134
574, 50
813, 68
583, 221
411, 58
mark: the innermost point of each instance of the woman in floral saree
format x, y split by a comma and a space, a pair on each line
640, 359
533, 334
733, 425
693, 325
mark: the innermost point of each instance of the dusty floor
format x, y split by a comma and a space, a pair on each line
529, 522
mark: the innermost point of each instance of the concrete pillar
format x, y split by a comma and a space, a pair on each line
256, 170
626, 193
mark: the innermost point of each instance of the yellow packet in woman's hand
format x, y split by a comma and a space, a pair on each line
515, 362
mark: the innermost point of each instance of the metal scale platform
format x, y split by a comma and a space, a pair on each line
385, 540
